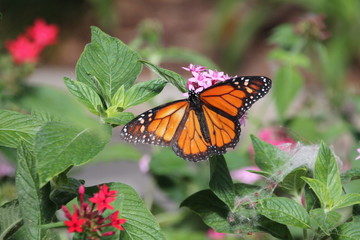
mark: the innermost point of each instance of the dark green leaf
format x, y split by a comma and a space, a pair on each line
15, 126
60, 145
288, 83
10, 219
109, 61
141, 92
284, 210
326, 221
292, 183
212, 210
326, 170
175, 79
268, 157
84, 94
64, 189
35, 206
347, 231
278, 230
220, 180
311, 200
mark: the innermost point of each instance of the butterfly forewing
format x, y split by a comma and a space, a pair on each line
235, 96
157, 126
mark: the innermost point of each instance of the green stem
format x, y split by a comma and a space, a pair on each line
305, 234
53, 225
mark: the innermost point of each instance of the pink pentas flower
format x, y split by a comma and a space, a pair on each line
43, 34
23, 50
203, 78
212, 234
358, 157
144, 163
244, 176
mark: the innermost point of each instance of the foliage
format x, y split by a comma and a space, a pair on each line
305, 194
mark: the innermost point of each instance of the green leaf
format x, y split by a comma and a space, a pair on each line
118, 99
292, 183
15, 126
284, 210
143, 91
175, 79
321, 192
288, 83
118, 118
289, 58
347, 231
60, 145
10, 219
64, 189
326, 170
350, 175
347, 200
212, 210
326, 221
311, 199
84, 94
268, 157
109, 61
220, 180
278, 230
140, 223
35, 206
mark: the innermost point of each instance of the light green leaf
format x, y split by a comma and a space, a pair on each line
326, 170
321, 192
143, 91
347, 231
326, 221
118, 99
60, 145
10, 219
35, 205
175, 79
284, 210
292, 183
288, 82
347, 200
350, 175
109, 61
117, 118
268, 157
220, 180
84, 94
15, 126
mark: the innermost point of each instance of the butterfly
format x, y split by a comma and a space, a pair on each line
204, 124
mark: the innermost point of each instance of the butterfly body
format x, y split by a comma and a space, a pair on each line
204, 124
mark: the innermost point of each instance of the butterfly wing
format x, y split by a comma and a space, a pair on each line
158, 126
235, 96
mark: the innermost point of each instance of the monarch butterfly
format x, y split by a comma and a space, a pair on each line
204, 124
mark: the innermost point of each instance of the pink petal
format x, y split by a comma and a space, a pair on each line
242, 175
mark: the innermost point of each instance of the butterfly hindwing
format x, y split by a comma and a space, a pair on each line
157, 126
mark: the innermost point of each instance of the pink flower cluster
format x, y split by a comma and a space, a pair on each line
88, 218
358, 157
27, 47
203, 78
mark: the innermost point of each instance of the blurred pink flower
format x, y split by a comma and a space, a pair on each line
358, 157
23, 50
144, 163
242, 175
43, 34
6, 169
212, 234
276, 137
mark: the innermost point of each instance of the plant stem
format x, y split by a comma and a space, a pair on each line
305, 234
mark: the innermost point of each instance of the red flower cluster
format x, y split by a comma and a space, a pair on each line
27, 47
88, 219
